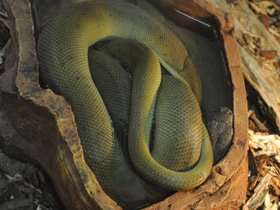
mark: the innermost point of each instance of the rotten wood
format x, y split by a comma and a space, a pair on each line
262, 74
44, 121
264, 185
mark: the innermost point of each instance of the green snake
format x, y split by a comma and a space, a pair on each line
181, 156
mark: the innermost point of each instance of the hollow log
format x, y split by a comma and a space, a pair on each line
259, 73
37, 125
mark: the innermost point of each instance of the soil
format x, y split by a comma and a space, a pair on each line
24, 187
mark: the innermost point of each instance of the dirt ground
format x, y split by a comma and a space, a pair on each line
24, 187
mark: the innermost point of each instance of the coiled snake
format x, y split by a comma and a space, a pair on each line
180, 137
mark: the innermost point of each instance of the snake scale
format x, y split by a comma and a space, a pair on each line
181, 155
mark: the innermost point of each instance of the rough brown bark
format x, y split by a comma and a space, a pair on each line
34, 121
260, 74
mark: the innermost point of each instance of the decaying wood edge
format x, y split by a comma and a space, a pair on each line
265, 81
76, 185
34, 114
225, 169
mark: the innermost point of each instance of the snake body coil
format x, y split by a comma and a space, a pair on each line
63, 56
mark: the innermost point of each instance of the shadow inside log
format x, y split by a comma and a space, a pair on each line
39, 126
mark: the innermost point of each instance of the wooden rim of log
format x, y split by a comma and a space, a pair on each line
74, 182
